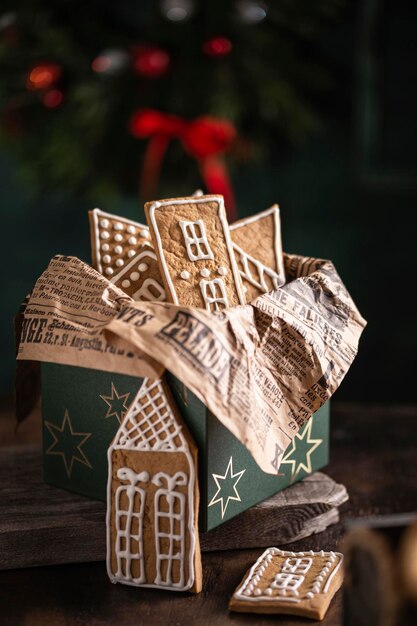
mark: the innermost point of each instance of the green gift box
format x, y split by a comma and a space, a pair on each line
82, 410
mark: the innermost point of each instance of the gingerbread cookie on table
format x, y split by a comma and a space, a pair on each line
258, 251
114, 241
192, 241
294, 583
153, 497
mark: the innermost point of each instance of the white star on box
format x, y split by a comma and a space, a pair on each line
227, 476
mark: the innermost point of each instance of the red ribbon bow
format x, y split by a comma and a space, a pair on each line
203, 138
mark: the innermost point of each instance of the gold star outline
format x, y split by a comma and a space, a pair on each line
54, 447
118, 400
227, 475
305, 464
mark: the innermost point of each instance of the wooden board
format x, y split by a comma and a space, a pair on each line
43, 525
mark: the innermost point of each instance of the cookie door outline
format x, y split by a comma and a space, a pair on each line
209, 291
174, 517
150, 425
146, 294
126, 540
195, 236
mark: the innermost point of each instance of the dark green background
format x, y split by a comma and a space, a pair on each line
349, 194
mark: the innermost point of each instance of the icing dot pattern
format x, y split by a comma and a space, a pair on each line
116, 241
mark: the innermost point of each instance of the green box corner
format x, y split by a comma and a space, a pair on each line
82, 409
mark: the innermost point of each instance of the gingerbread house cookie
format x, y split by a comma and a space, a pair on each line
141, 278
258, 251
295, 583
152, 502
114, 241
192, 242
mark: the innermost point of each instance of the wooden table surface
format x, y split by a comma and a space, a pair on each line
373, 452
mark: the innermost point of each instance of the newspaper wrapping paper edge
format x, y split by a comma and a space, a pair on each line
262, 369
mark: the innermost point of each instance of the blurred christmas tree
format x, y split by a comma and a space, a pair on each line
83, 81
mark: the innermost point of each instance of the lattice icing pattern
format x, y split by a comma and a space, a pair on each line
141, 278
115, 241
256, 273
258, 252
150, 423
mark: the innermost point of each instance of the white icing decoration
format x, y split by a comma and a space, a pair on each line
124, 521
257, 275
195, 240
106, 258
131, 253
118, 249
205, 273
118, 237
224, 227
131, 230
126, 283
118, 226
132, 241
105, 234
150, 290
213, 300
197, 193
285, 584
104, 223
185, 275
144, 233
175, 502
145, 293
109, 271
150, 424
142, 267
120, 262
274, 211
99, 216
222, 270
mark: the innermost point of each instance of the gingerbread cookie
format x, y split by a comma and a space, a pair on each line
258, 251
153, 497
192, 241
294, 583
114, 241
141, 278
